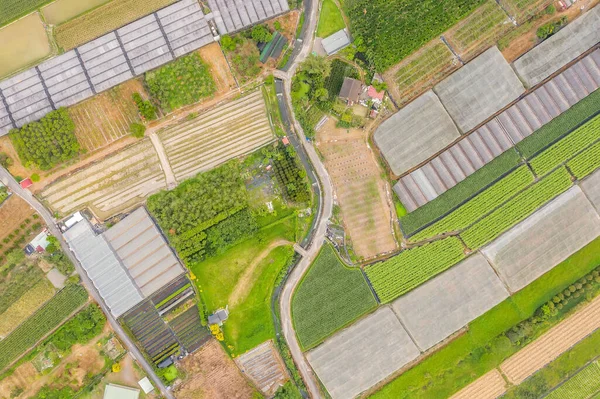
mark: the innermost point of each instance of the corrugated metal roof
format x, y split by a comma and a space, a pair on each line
334, 43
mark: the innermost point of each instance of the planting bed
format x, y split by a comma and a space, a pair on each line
217, 136
524, 9
586, 162
582, 385
189, 330
112, 185
263, 365
491, 385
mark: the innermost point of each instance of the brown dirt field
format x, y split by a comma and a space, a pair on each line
552, 344
24, 376
12, 213
489, 386
219, 68
264, 367
527, 40
106, 117
211, 374
288, 23
363, 196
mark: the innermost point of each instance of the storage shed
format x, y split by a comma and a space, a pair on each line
334, 43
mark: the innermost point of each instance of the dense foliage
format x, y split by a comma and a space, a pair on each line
586, 162
261, 34
328, 298
48, 142
517, 209
549, 29
181, 82
80, 329
480, 205
393, 29
309, 94
460, 193
137, 130
335, 80
413, 267
290, 176
568, 147
41, 322
145, 107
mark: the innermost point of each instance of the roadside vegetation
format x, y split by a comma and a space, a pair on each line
330, 19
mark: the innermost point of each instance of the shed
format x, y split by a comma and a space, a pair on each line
26, 183
146, 385
40, 242
334, 43
113, 391
351, 90
218, 317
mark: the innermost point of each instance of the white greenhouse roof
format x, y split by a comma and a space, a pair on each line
334, 43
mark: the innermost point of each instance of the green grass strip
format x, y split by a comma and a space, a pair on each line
48, 317
562, 124
568, 147
460, 193
413, 267
173, 295
329, 297
520, 207
585, 163
581, 386
480, 205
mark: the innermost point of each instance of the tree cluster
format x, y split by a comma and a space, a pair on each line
145, 107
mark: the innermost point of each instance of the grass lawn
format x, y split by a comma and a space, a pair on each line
483, 347
329, 297
250, 322
330, 20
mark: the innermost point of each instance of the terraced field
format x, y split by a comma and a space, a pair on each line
112, 185
217, 136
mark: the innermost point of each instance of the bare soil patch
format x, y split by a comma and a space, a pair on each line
12, 213
219, 68
264, 367
489, 386
212, 374
362, 193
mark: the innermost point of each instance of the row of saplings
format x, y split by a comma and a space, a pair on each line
584, 288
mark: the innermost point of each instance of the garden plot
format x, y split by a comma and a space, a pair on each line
522, 10
563, 47
543, 240
448, 302
479, 89
420, 71
106, 117
12, 213
489, 386
552, 344
591, 188
360, 191
415, 133
60, 11
110, 186
479, 31
362, 355
217, 136
264, 367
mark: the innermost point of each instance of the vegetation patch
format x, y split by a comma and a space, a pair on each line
181, 82
413, 267
582, 385
290, 176
329, 297
14, 9
339, 71
330, 20
18, 276
48, 142
585, 163
23, 307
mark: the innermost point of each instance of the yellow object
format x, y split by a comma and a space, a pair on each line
116, 367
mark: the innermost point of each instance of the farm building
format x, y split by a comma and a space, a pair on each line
39, 243
336, 42
218, 317
114, 391
479, 89
351, 90
232, 16
569, 43
415, 133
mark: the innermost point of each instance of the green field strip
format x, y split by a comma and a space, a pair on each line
173, 295
582, 385
413, 267
517, 209
44, 320
568, 147
480, 205
585, 163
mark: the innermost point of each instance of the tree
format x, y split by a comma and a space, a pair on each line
228, 43
261, 34
315, 65
322, 94
5, 160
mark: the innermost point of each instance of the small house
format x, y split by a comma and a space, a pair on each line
38, 244
374, 95
218, 317
26, 183
336, 42
351, 90
285, 141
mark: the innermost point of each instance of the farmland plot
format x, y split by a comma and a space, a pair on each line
110, 186
491, 385
264, 367
581, 386
217, 136
60, 11
524, 9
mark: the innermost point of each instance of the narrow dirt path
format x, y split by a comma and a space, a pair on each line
164, 161
244, 285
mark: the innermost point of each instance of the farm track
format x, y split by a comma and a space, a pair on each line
489, 386
553, 343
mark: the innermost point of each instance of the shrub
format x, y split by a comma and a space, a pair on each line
547, 30
261, 34
5, 160
35, 178
145, 107
137, 130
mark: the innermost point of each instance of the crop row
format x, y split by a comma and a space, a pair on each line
40, 323
480, 205
568, 147
586, 162
413, 267
517, 209
582, 385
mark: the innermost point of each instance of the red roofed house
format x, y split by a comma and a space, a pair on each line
26, 183
376, 96
285, 140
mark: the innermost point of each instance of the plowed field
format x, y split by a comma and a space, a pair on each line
489, 386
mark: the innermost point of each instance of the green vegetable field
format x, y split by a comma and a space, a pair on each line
41, 322
582, 385
413, 267
586, 162
520, 207
14, 9
568, 147
479, 206
329, 297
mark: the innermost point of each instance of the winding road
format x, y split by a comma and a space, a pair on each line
12, 184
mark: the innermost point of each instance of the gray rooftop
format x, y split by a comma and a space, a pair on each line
234, 15
334, 43
479, 89
415, 133
351, 89
563, 47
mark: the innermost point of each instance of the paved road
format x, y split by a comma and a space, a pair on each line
324, 190
8, 180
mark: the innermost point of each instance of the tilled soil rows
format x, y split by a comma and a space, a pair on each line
489, 386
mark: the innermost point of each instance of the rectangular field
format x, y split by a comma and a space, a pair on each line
61, 11
264, 366
14, 9
524, 9
110, 186
23, 42
582, 385
24, 307
544, 239
226, 132
491, 385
